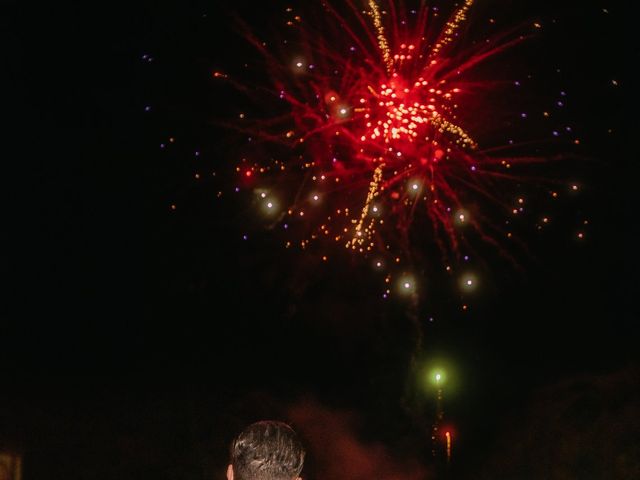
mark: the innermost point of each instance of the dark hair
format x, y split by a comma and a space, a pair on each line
267, 450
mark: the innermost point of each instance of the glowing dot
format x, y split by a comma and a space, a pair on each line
468, 282
299, 64
461, 217
269, 205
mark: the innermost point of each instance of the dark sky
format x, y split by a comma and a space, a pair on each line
110, 291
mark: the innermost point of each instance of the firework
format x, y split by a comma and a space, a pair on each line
369, 139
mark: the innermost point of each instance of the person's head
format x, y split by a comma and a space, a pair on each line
266, 450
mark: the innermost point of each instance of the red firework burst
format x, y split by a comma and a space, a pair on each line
371, 131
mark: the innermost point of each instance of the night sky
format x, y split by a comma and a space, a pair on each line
138, 339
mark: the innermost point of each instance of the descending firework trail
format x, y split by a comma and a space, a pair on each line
372, 133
